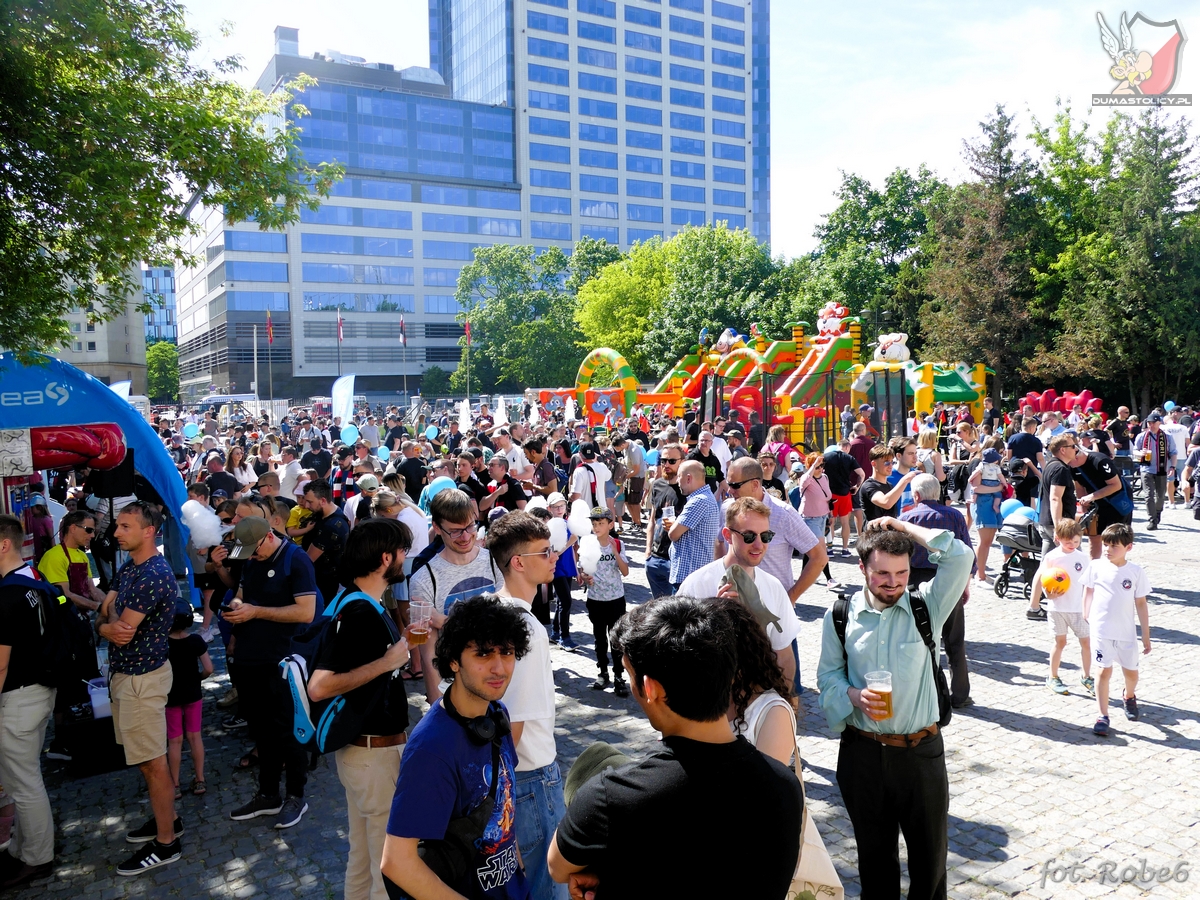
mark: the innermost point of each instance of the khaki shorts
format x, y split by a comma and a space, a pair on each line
139, 704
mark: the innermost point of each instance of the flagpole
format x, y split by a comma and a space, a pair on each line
404, 356
256, 393
339, 342
270, 367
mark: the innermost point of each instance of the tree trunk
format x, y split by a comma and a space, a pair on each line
1133, 405
1144, 410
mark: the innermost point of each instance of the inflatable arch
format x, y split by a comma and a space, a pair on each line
628, 383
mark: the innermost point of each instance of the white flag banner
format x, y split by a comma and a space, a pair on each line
343, 399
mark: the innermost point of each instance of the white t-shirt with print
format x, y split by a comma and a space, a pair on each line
454, 582
706, 581
581, 482
1114, 591
1179, 438
1075, 564
607, 583
530, 695
517, 461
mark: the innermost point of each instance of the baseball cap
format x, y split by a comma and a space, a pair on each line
220, 492
601, 512
991, 456
248, 533
587, 451
557, 497
1153, 417
368, 483
798, 467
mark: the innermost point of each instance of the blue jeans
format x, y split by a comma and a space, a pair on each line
658, 575
539, 809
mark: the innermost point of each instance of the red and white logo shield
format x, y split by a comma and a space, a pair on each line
1164, 42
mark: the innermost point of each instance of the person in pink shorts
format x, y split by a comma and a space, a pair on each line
184, 700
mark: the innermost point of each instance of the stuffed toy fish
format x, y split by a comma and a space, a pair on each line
747, 592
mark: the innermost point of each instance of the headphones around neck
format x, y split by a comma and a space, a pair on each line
486, 729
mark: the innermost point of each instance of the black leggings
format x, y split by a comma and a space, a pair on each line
562, 588
604, 615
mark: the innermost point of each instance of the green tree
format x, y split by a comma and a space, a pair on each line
588, 258
162, 371
107, 132
616, 307
435, 382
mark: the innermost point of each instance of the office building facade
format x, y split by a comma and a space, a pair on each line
536, 123
158, 284
110, 351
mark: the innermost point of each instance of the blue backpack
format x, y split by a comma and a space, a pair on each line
330, 724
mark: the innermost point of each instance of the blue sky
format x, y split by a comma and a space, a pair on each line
862, 87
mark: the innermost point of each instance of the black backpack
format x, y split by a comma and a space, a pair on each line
61, 665
920, 611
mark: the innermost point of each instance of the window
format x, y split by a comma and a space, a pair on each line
636, 235
549, 49
598, 209
549, 75
546, 100
77, 346
684, 25
256, 241
730, 219
639, 41
643, 115
319, 300
497, 226
685, 193
681, 169
598, 184
440, 143
238, 270
440, 277
639, 90
91, 346
601, 84
558, 206
442, 305
559, 128
643, 140
387, 218
728, 175
729, 129
553, 231
326, 243
728, 11
600, 134
651, 189
448, 250
446, 196
548, 178
600, 109
689, 5
680, 97
357, 274
690, 146
497, 199
91, 328
540, 21
251, 301
729, 151
591, 31
601, 233
729, 82
687, 73
729, 35
604, 59
483, 147
76, 328
599, 159
646, 165
550, 153
729, 105
439, 115
445, 222
636, 212
327, 215
687, 217
385, 190
638, 66
561, 4
729, 198
687, 51
687, 123
728, 58
606, 8
643, 16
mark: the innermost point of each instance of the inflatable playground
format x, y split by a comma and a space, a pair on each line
801, 381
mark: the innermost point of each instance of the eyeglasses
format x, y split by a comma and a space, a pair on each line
734, 485
454, 533
749, 536
672, 460
544, 554
87, 529
225, 521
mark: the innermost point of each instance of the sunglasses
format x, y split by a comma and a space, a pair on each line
673, 460
734, 485
87, 529
749, 536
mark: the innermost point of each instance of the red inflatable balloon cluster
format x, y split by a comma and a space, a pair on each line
1049, 400
101, 446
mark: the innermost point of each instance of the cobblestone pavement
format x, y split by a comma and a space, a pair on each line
1032, 791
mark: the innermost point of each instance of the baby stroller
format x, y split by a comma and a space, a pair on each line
1019, 533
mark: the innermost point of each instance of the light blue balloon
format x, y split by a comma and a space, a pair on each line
1010, 506
383, 452
349, 434
1169, 405
190, 430
431, 432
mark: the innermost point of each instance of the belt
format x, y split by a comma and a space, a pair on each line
374, 741
896, 740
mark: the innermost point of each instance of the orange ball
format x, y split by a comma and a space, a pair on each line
1056, 582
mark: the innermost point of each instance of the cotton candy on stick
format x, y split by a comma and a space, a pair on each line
464, 416
204, 524
580, 518
589, 554
558, 534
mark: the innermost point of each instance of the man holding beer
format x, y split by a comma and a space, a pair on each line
892, 764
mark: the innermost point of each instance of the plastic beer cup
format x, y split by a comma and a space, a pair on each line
881, 683
420, 612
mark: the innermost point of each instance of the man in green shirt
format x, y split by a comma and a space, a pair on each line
892, 769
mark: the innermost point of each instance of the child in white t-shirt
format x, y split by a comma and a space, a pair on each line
1113, 590
606, 598
1066, 608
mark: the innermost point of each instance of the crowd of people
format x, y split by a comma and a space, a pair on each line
396, 533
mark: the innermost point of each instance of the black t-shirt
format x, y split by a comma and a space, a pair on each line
361, 638
713, 474
775, 488
321, 461
1026, 446
662, 493
222, 481
275, 582
413, 471
1025, 487
395, 437
993, 417
473, 488
758, 818
839, 467
758, 436
1056, 472
185, 674
640, 436
21, 617
1119, 430
1100, 440
510, 498
869, 489
1095, 472
329, 536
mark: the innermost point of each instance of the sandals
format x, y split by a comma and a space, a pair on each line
199, 788
407, 674
178, 793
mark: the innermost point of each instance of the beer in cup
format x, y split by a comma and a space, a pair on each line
420, 612
881, 683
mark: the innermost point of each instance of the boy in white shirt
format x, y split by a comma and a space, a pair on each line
606, 598
1113, 590
1065, 608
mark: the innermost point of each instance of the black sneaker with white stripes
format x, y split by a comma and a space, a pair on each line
149, 856
148, 831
